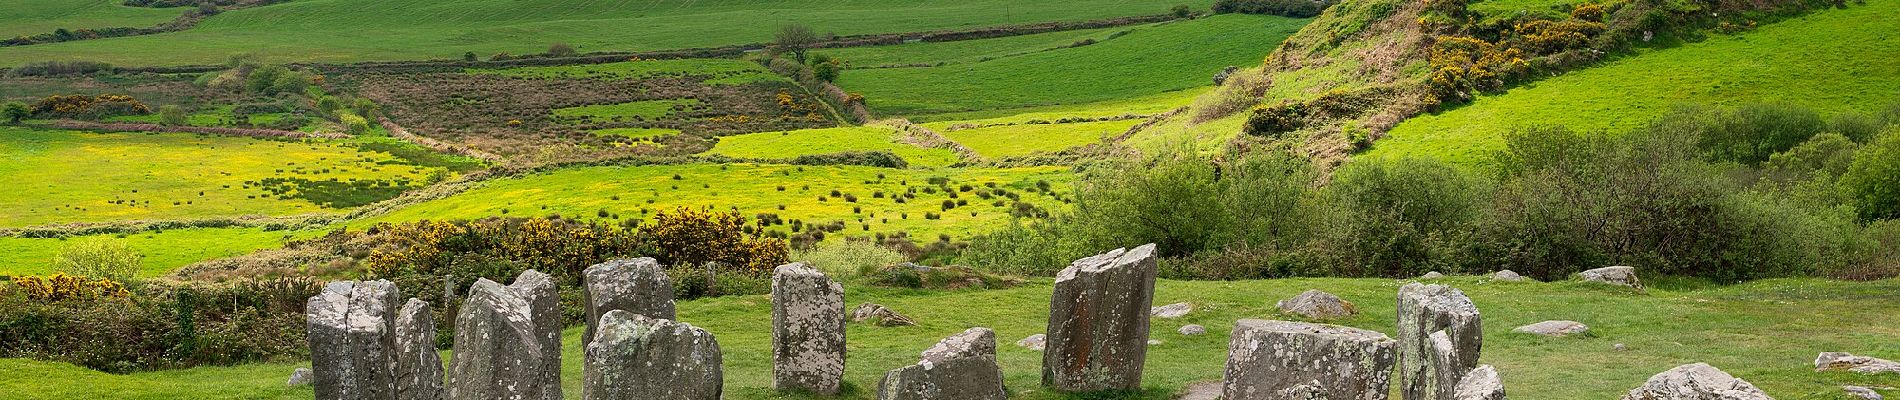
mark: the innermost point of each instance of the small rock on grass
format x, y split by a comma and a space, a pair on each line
1554, 328
1836, 361
1315, 304
1192, 330
1176, 310
1432, 275
1863, 393
299, 377
1034, 342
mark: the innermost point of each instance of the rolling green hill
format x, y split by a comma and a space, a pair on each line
32, 17
806, 142
1831, 60
354, 30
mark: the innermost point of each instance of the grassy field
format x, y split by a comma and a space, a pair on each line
786, 145
355, 30
1767, 332
964, 51
1150, 60
163, 251
1146, 105
67, 177
752, 189
1831, 60
1024, 139
718, 70
33, 17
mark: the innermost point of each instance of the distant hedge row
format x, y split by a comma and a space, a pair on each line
1284, 8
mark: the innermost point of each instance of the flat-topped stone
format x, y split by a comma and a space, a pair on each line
1285, 359
1098, 322
1697, 381
1554, 328
1424, 310
808, 336
971, 342
1837, 361
636, 285
1318, 305
1171, 311
352, 340
1619, 275
633, 357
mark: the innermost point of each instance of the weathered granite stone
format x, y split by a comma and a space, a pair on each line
1481, 383
300, 377
1620, 276
1432, 275
418, 365
1508, 276
636, 285
1283, 359
1171, 311
1695, 382
1422, 310
353, 340
544, 305
1863, 393
499, 352
1221, 77
1554, 328
633, 357
807, 330
1835, 361
1315, 304
959, 367
1034, 342
1098, 322
880, 315
1192, 330
1209, 390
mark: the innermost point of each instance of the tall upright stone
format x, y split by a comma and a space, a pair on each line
807, 330
501, 349
636, 285
960, 367
418, 365
1098, 322
1272, 360
1423, 310
353, 340
633, 357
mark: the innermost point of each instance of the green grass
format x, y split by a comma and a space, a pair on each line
32, 17
1831, 60
638, 133
752, 189
67, 177
1152, 59
964, 51
1766, 332
791, 144
163, 251
356, 30
718, 71
1150, 104
645, 110
1016, 140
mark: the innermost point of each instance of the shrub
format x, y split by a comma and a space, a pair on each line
560, 50
99, 258
15, 111
694, 237
826, 68
353, 124
162, 325
1872, 182
170, 114
1395, 218
56, 68
849, 257
1239, 91
1284, 8
1749, 134
88, 107
61, 287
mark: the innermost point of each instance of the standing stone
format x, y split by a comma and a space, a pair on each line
1835, 361
959, 367
807, 330
1315, 304
1697, 381
1554, 328
1098, 322
634, 357
1297, 360
1482, 383
1620, 276
637, 285
352, 340
499, 352
418, 365
1423, 310
1862, 392
544, 308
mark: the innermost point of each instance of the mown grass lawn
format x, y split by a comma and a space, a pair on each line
357, 30
1024, 139
68, 177
162, 251
805, 142
33, 17
1766, 332
1149, 60
638, 192
1834, 61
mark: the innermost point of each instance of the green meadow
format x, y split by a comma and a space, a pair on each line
805, 142
1141, 105
720, 71
965, 51
1833, 61
359, 30
33, 17
1150, 60
1767, 332
791, 192
1024, 139
68, 177
162, 251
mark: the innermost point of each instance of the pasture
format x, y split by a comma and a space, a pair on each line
1028, 138
1833, 61
807, 142
162, 251
1766, 332
33, 17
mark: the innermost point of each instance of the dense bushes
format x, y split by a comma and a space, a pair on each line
1284, 8
56, 68
159, 325
88, 107
693, 237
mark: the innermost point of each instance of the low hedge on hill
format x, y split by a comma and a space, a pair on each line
1284, 8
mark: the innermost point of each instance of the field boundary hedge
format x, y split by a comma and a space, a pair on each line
208, 130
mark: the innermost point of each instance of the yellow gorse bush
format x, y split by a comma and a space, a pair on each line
67, 287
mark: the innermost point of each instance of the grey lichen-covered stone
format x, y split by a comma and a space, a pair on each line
1836, 361
1171, 311
544, 305
1098, 322
633, 357
808, 342
418, 365
353, 340
1422, 310
1034, 342
499, 351
1697, 381
1481, 383
1193, 330
1619, 275
1432, 275
1554, 328
300, 377
1283, 359
1863, 393
1319, 305
1508, 276
880, 315
959, 367
636, 285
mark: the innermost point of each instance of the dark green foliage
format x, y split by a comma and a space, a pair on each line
1395, 218
57, 68
162, 325
1872, 183
1749, 134
418, 156
334, 194
15, 111
1284, 8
